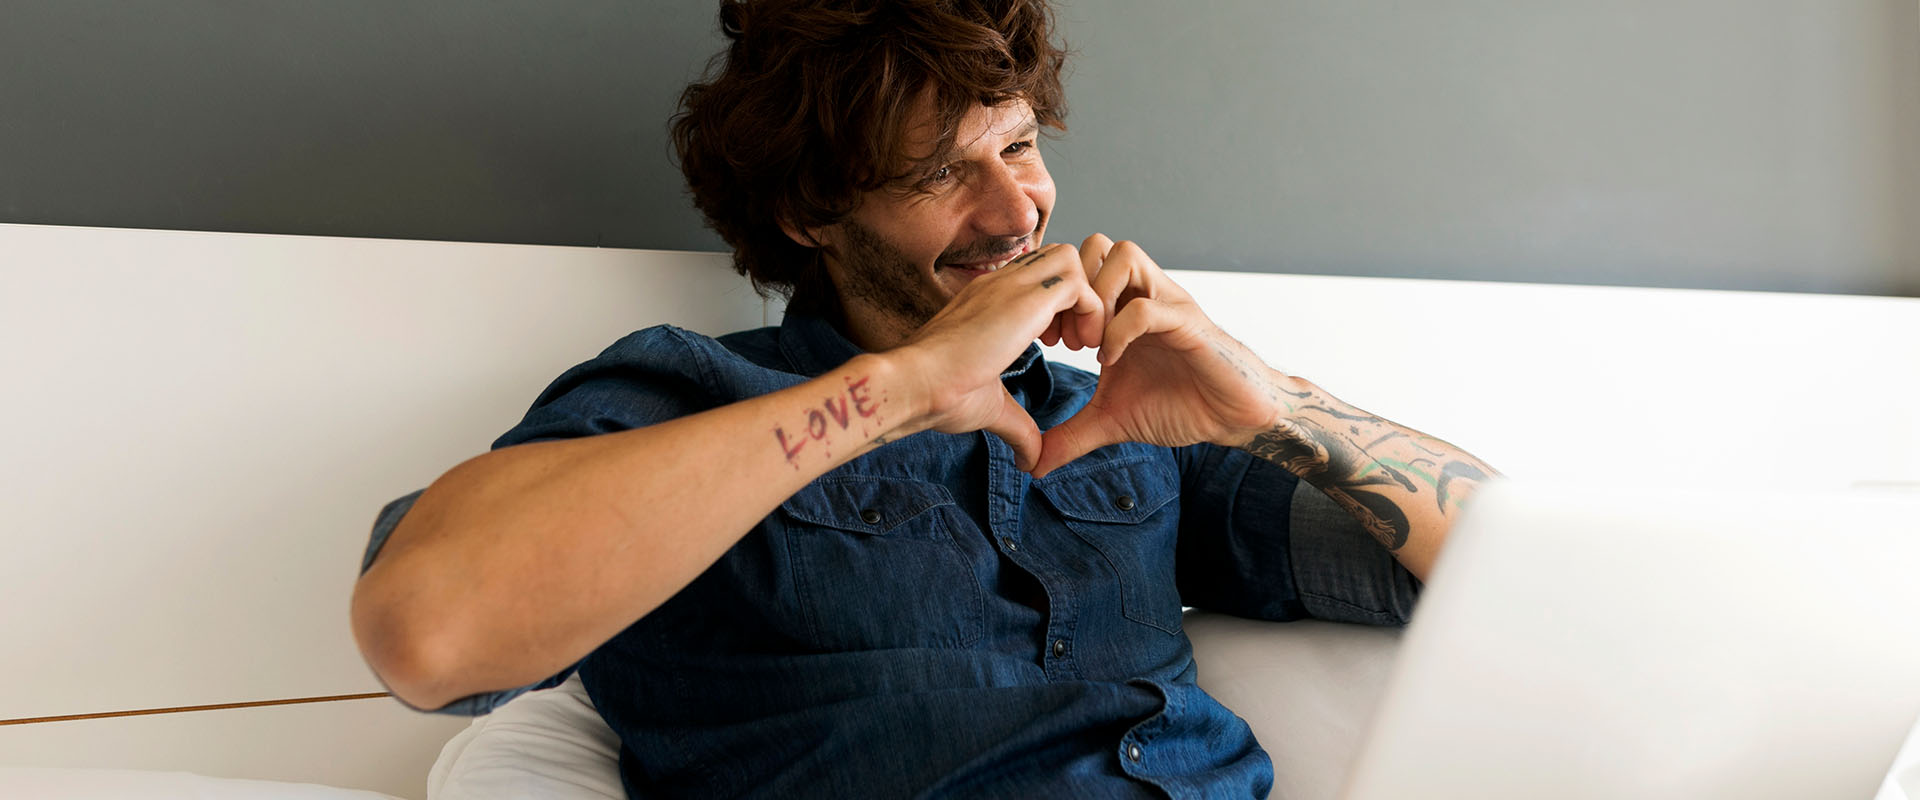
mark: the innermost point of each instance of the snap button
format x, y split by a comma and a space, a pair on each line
1133, 753
1123, 502
1059, 648
1009, 543
870, 516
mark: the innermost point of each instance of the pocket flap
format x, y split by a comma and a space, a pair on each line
864, 504
1124, 491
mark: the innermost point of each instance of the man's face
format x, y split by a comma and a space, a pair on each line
910, 246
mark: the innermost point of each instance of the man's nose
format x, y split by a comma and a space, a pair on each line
1005, 206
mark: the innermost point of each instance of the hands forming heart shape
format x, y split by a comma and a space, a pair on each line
1169, 376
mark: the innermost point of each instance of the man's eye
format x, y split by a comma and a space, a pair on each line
935, 178
1019, 147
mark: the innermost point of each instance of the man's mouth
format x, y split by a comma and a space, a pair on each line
982, 267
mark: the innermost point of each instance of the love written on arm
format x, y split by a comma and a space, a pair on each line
852, 408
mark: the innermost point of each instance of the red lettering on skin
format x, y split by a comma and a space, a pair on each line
839, 414
780, 434
858, 391
838, 409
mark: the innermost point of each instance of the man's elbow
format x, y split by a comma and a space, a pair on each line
414, 658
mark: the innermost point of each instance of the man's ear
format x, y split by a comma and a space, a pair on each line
805, 237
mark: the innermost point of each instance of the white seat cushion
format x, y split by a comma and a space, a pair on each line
549, 744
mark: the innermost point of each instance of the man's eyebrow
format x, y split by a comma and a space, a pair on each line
1027, 129
946, 154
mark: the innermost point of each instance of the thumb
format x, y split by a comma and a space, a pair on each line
1079, 435
1017, 429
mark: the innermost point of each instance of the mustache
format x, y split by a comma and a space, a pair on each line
985, 250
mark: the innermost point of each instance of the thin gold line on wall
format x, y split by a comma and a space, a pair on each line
178, 709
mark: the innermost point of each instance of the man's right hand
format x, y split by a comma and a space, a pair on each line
959, 354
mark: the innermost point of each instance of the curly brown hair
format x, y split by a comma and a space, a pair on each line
807, 109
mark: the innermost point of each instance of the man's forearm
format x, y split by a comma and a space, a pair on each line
1405, 487
522, 560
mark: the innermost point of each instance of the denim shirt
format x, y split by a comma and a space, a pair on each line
928, 620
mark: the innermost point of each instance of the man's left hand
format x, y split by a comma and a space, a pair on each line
1169, 376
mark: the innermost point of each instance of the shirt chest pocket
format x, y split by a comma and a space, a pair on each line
876, 566
1127, 511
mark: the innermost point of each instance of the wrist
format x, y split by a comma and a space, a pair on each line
898, 387
1291, 392
1287, 394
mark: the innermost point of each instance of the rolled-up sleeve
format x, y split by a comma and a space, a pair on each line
1257, 542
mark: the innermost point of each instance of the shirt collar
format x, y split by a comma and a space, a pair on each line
813, 346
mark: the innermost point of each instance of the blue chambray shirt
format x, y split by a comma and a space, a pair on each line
927, 620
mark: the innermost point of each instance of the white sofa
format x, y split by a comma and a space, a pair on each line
207, 422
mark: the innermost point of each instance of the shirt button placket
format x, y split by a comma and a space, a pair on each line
1059, 648
1011, 545
1133, 752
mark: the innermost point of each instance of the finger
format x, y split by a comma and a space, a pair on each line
1115, 274
1089, 322
1041, 267
1145, 277
1141, 317
1081, 434
1032, 257
1017, 429
1050, 268
1093, 255
1088, 318
1120, 280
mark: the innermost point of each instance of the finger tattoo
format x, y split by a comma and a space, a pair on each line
1050, 282
1025, 257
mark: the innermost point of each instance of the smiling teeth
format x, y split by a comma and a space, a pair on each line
991, 266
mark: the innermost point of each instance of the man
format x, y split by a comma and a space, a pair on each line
859, 554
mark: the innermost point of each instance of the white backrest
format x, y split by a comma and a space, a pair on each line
1617, 385
203, 426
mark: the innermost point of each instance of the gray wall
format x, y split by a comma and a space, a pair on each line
1748, 144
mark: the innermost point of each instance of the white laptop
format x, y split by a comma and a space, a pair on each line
1601, 642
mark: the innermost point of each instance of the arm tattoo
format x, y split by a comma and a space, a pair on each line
854, 405
1312, 455
1377, 482
1455, 469
1382, 518
1291, 449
